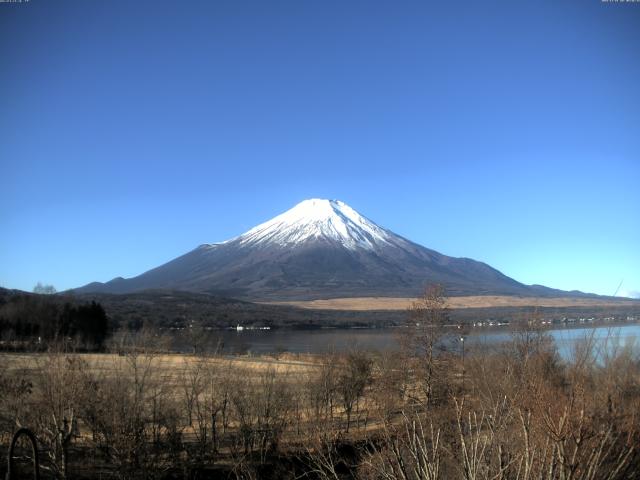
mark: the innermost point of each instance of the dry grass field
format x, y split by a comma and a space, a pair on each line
488, 301
171, 365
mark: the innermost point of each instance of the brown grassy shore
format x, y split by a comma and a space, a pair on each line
486, 301
170, 364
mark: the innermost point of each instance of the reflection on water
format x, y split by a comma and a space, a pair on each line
325, 340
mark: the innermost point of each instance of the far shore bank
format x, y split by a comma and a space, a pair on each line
475, 301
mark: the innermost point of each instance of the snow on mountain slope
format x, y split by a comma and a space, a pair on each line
317, 220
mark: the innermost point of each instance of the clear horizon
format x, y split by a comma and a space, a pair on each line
131, 133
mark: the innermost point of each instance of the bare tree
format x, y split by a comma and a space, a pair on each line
353, 378
391, 382
321, 387
59, 384
274, 405
192, 385
425, 329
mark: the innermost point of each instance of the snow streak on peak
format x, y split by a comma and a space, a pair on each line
319, 219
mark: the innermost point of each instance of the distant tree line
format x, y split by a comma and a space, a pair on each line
44, 289
41, 318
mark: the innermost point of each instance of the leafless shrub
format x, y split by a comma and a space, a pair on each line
16, 388
408, 450
322, 454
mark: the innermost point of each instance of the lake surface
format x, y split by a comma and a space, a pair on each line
326, 340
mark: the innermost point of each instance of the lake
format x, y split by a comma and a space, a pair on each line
326, 340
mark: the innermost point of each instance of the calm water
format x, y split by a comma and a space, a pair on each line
325, 340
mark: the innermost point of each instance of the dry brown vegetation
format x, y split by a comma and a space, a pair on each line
515, 413
485, 301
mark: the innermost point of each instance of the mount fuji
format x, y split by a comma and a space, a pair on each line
320, 249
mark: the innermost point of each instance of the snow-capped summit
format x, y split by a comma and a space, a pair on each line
318, 219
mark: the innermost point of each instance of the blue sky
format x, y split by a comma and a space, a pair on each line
508, 132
